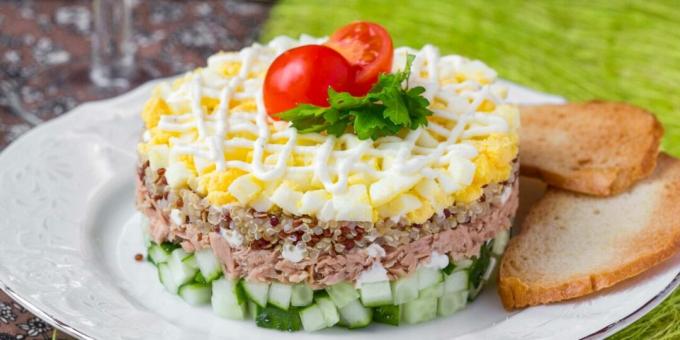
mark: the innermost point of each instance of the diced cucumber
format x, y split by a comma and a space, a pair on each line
451, 303
165, 275
279, 295
342, 293
208, 264
479, 267
196, 293
355, 315
500, 242
375, 294
489, 269
157, 254
168, 247
274, 318
389, 314
312, 318
257, 292
302, 295
181, 271
199, 278
456, 282
405, 289
428, 277
177, 253
253, 309
420, 310
330, 312
449, 268
228, 299
474, 290
463, 264
191, 261
436, 291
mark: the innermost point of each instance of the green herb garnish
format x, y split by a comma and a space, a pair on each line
385, 110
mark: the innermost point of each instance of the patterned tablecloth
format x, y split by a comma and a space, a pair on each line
44, 65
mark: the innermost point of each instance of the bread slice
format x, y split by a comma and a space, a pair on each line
571, 244
597, 148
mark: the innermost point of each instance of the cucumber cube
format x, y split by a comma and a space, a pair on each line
168, 247
279, 295
451, 303
342, 294
275, 318
375, 294
355, 315
253, 309
257, 292
405, 289
229, 299
196, 294
449, 268
463, 264
208, 264
420, 310
489, 269
433, 291
456, 282
428, 277
390, 314
330, 312
500, 242
182, 271
166, 278
157, 254
312, 318
199, 278
302, 295
190, 261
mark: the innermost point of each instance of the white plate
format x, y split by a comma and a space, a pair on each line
69, 233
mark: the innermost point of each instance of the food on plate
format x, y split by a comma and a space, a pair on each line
384, 196
597, 148
571, 245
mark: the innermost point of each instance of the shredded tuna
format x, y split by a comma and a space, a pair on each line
321, 270
159, 225
223, 252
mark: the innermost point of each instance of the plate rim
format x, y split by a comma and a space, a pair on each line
63, 326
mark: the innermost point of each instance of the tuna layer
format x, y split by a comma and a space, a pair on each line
459, 236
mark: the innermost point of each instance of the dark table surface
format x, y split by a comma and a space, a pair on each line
44, 65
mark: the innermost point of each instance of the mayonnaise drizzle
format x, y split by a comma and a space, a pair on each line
333, 160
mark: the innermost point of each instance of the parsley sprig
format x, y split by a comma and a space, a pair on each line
385, 110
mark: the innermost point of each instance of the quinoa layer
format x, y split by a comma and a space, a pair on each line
333, 251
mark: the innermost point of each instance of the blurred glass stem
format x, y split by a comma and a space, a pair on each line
113, 51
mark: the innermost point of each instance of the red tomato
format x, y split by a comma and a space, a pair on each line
303, 75
368, 47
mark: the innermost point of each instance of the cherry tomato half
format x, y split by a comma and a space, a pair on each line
368, 47
303, 75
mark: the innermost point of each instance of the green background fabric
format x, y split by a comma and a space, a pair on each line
593, 49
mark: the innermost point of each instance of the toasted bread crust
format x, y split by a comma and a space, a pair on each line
651, 245
516, 293
596, 129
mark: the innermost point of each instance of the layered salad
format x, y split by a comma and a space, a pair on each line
339, 181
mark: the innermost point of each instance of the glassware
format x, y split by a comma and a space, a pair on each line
113, 51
